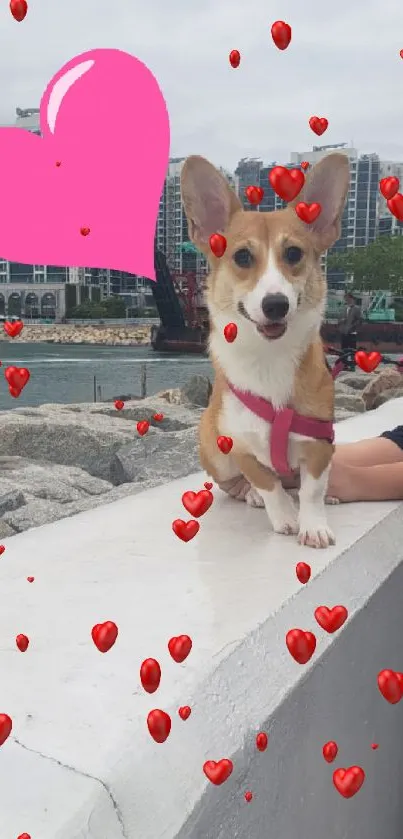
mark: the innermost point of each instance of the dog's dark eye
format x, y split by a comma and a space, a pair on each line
243, 258
293, 254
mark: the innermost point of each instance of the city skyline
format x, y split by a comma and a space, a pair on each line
42, 288
343, 63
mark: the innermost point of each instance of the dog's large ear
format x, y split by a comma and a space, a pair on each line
208, 200
327, 184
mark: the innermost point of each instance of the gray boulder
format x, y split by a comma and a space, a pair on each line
386, 396
6, 530
349, 401
11, 500
157, 457
62, 436
388, 379
34, 514
357, 380
197, 391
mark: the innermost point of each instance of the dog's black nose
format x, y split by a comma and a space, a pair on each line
275, 306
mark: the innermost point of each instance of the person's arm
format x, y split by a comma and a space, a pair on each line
366, 483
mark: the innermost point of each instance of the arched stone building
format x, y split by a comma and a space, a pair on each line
45, 300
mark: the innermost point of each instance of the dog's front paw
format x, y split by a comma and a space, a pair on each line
253, 498
285, 518
315, 535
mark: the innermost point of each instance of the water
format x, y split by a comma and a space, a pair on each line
65, 373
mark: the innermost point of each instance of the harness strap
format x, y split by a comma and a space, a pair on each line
283, 421
280, 432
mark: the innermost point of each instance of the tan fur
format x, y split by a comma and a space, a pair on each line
258, 475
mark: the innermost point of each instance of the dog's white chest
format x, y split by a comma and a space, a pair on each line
252, 432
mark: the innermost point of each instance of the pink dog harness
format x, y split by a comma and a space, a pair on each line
283, 421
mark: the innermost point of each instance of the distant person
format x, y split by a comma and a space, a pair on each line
349, 328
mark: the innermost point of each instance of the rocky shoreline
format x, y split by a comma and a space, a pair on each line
96, 334
57, 460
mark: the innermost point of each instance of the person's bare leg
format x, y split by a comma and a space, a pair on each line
372, 452
383, 482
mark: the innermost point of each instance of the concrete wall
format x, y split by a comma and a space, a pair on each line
335, 699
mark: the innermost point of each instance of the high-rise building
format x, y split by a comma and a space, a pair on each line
360, 217
388, 224
248, 173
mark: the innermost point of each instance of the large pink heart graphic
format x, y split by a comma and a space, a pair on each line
95, 175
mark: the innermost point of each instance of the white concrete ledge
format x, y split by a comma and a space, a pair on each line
80, 763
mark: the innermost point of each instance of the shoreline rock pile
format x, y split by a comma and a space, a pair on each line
97, 334
58, 460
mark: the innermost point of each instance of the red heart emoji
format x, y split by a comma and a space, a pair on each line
303, 572
301, 645
13, 329
368, 361
197, 503
22, 643
150, 675
85, 231
18, 9
230, 332
401, 53
24, 836
287, 183
235, 58
2, 549
389, 187
208, 485
254, 194
158, 417
248, 796
58, 162
281, 34
374, 746
218, 244
6, 725
119, 404
225, 444
305, 165
331, 619
31, 579
159, 725
179, 647
348, 781
395, 205
390, 686
330, 751
142, 427
104, 635
318, 125
308, 212
218, 772
185, 712
17, 377
185, 530
261, 741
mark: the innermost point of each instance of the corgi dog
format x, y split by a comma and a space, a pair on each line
273, 393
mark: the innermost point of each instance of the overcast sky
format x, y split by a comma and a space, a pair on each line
343, 63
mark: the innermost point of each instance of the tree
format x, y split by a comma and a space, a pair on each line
112, 307
375, 266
